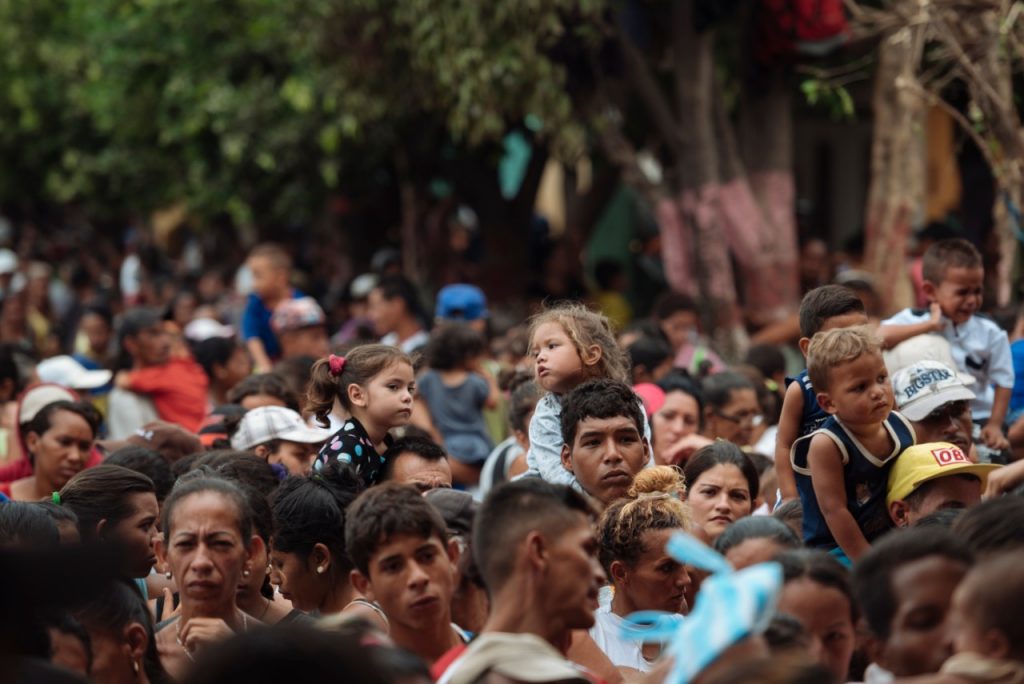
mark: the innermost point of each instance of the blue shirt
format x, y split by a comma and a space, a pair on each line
1017, 398
813, 416
865, 478
256, 323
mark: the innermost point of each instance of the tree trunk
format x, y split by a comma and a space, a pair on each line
897, 191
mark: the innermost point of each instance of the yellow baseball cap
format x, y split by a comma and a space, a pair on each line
923, 462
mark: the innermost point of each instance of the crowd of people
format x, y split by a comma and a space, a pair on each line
235, 483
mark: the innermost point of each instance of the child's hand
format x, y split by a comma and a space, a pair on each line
993, 437
123, 380
936, 316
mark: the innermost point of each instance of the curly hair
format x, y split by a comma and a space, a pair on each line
836, 347
653, 502
585, 329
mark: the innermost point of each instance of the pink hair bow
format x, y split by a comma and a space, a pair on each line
336, 364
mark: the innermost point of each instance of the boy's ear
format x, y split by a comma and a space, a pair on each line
567, 457
647, 449
898, 511
826, 403
618, 572
262, 451
929, 289
804, 344
362, 584
591, 355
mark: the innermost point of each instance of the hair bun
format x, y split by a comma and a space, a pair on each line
658, 480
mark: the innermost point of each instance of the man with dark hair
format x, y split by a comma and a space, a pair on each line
536, 551
405, 562
418, 462
603, 432
904, 585
651, 359
157, 383
397, 315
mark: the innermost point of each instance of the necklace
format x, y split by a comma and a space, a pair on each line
177, 636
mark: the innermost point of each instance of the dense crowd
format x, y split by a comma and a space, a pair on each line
207, 482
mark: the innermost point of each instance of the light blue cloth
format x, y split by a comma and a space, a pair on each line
730, 607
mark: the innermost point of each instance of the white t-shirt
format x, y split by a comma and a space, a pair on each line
410, 344
623, 652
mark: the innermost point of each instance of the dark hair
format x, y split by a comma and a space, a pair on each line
873, 572
59, 514
605, 271
311, 510
819, 567
134, 321
270, 384
294, 652
601, 398
452, 345
721, 452
510, 512
396, 286
362, 364
240, 466
948, 253
992, 526
994, 593
26, 524
424, 448
767, 358
915, 499
649, 352
942, 518
773, 670
148, 462
786, 632
65, 623
718, 388
214, 351
101, 311
115, 607
756, 527
43, 420
825, 302
522, 402
678, 380
9, 368
791, 513
103, 493
198, 482
384, 511
671, 302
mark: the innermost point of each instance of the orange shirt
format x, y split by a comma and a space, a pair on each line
178, 390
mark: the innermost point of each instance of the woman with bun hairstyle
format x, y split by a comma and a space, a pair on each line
632, 534
308, 559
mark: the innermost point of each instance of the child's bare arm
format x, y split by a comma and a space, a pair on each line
894, 334
789, 430
261, 362
992, 432
826, 465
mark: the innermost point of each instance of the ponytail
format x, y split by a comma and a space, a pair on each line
330, 377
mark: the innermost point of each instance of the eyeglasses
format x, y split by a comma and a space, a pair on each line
946, 413
754, 419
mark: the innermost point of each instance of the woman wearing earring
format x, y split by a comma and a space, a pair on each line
308, 559
121, 636
208, 546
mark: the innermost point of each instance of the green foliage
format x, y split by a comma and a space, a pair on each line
262, 108
835, 99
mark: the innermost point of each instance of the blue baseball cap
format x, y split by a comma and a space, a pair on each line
461, 302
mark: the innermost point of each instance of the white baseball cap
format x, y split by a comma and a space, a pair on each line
64, 370
925, 386
928, 347
199, 329
267, 423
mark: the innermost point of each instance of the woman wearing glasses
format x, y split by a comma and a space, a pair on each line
731, 410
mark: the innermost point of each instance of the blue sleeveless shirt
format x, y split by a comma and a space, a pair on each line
813, 416
865, 477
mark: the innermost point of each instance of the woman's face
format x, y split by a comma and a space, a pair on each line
61, 452
296, 580
206, 552
734, 421
657, 581
826, 615
719, 497
678, 417
138, 532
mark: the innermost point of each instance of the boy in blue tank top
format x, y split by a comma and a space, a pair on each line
842, 468
824, 308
